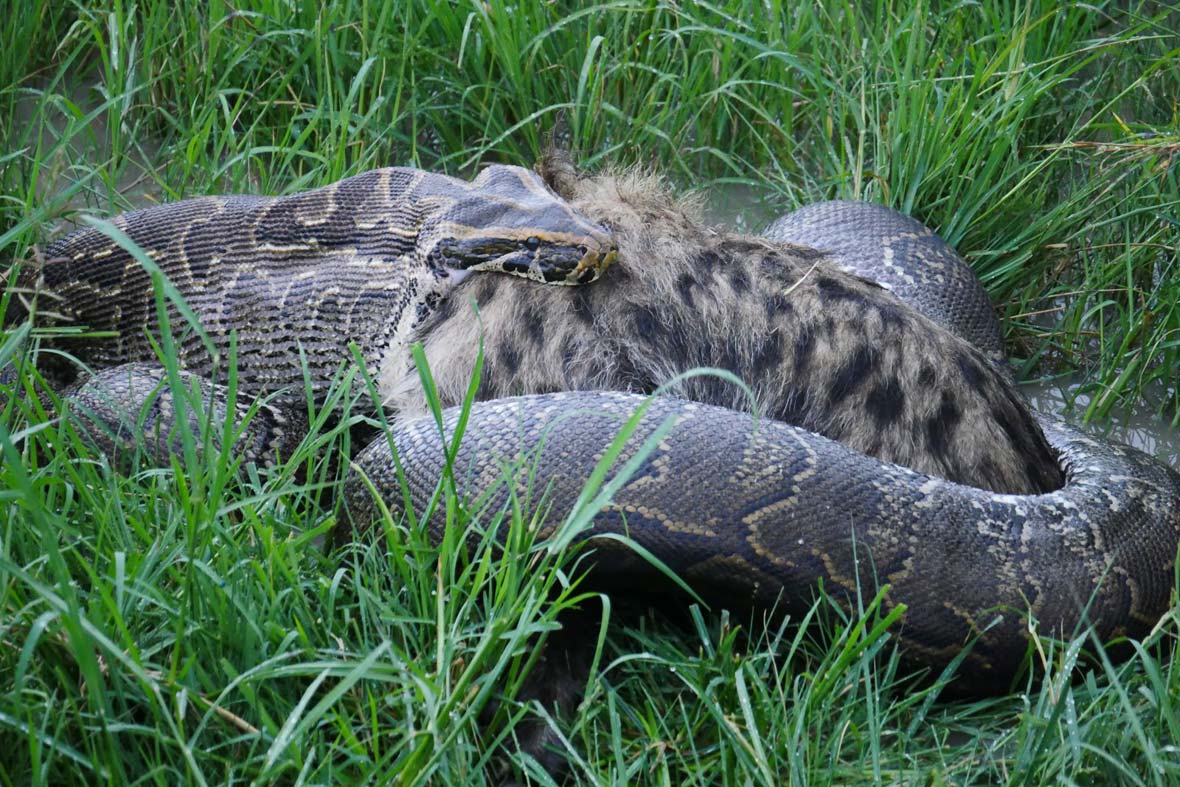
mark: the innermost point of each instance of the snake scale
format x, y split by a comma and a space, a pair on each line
752, 508
299, 278
759, 510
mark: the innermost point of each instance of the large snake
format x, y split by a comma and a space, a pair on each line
752, 509
749, 509
297, 279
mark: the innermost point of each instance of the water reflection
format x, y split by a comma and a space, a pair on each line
1138, 426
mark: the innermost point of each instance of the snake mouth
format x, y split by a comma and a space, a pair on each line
547, 261
593, 264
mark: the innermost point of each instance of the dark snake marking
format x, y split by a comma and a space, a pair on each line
752, 508
762, 511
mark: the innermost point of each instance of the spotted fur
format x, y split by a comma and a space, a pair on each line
819, 347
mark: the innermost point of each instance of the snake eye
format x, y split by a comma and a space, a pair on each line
532, 243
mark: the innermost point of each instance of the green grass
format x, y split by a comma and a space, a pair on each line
1040, 140
179, 625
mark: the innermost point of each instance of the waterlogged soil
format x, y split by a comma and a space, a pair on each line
71, 129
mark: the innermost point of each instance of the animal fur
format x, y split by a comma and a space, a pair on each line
818, 347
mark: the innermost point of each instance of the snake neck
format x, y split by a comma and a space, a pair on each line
363, 261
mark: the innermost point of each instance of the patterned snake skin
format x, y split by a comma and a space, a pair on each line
299, 278
760, 511
751, 510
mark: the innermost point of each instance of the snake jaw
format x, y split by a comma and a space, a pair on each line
561, 260
592, 266
508, 220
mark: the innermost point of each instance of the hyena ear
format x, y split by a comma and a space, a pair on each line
556, 166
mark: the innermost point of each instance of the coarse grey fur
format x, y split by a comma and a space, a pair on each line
819, 347
901, 253
758, 508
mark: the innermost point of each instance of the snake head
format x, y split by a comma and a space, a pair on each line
507, 220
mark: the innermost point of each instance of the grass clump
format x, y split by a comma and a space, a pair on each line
1038, 138
180, 624
160, 626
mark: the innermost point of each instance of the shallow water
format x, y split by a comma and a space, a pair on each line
62, 141
741, 207
1139, 426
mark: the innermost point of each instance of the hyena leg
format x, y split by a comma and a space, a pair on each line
134, 407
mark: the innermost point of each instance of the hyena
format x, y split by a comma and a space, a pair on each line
818, 347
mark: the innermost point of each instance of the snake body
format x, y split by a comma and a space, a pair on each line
759, 510
752, 508
299, 278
